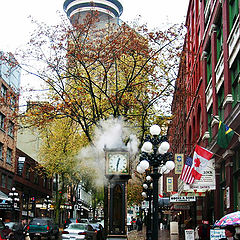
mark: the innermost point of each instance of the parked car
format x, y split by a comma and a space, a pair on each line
83, 220
97, 227
77, 231
70, 220
10, 224
42, 227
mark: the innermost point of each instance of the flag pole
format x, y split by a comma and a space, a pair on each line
217, 155
231, 128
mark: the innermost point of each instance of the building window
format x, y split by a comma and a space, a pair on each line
9, 156
49, 184
28, 171
45, 182
2, 121
219, 37
235, 75
220, 97
209, 66
11, 129
1, 151
209, 114
9, 183
4, 92
223, 172
233, 12
13, 103
36, 178
3, 180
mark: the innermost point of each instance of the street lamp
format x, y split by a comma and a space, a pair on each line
155, 155
48, 201
14, 196
147, 194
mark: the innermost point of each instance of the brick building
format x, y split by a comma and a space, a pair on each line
208, 90
9, 84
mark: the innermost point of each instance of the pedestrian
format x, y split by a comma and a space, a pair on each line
230, 232
139, 224
204, 232
19, 230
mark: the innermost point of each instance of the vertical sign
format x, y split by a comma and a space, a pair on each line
169, 184
179, 160
228, 197
189, 234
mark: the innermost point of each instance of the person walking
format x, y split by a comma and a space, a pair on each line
230, 232
19, 230
139, 224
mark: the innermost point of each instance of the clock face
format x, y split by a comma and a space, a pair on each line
117, 163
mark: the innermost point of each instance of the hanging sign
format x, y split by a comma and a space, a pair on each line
177, 198
179, 160
169, 184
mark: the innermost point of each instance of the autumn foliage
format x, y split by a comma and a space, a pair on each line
94, 73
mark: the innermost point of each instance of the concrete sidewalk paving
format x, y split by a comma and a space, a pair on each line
163, 235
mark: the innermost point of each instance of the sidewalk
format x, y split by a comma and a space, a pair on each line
141, 235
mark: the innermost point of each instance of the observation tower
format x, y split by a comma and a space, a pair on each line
108, 10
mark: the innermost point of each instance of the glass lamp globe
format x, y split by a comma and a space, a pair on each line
147, 147
144, 194
144, 164
167, 171
163, 169
145, 186
163, 148
170, 165
148, 178
140, 170
155, 130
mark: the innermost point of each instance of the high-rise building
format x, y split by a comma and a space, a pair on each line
108, 10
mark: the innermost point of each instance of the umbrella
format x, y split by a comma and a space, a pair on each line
229, 219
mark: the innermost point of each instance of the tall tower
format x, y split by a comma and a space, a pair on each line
109, 10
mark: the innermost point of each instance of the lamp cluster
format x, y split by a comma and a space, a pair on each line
155, 152
156, 159
14, 197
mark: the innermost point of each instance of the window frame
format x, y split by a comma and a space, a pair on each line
2, 121
9, 156
11, 129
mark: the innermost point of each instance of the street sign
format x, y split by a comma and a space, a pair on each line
176, 198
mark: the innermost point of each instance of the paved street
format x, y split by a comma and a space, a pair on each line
141, 235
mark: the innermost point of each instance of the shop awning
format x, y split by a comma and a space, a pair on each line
3, 196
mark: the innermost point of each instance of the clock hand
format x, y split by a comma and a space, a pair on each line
117, 164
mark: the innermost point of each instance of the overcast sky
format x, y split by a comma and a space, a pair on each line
15, 25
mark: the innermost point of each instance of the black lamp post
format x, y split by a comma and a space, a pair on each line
14, 196
155, 155
147, 194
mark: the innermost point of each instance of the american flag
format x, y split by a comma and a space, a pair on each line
186, 174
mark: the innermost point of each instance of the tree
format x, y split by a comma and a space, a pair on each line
93, 74
61, 142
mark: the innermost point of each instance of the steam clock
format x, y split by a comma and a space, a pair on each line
118, 174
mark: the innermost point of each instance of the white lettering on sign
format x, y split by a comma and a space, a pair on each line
183, 199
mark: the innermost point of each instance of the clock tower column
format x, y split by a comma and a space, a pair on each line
118, 174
